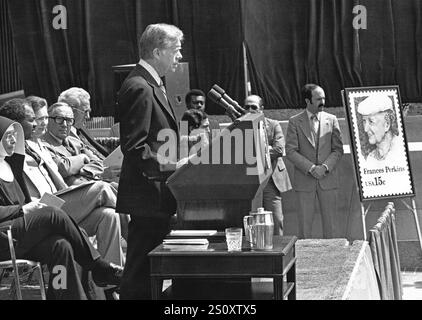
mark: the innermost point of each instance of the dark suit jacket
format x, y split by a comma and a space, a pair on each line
144, 111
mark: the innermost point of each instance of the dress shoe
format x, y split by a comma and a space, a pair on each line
110, 276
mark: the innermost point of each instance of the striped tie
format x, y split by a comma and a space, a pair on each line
163, 89
315, 124
315, 129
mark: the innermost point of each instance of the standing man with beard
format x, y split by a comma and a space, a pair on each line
314, 146
144, 111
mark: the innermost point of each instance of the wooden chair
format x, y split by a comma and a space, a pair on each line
16, 264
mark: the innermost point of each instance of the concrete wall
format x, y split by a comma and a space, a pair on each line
348, 220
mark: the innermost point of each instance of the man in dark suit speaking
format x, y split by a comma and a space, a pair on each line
144, 112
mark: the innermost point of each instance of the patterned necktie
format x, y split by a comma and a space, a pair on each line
68, 147
163, 89
315, 124
315, 129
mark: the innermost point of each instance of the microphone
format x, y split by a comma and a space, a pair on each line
226, 97
218, 98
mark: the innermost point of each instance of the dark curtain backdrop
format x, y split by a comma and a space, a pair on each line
289, 43
293, 42
100, 34
213, 46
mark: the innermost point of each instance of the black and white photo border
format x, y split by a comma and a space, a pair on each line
378, 180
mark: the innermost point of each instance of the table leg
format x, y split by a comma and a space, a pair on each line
291, 277
156, 287
278, 288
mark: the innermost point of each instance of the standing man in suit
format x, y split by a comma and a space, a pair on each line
279, 181
314, 146
144, 112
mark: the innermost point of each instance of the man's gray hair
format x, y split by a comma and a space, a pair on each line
161, 36
57, 105
73, 97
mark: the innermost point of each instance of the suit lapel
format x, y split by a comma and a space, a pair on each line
54, 174
158, 94
306, 127
56, 147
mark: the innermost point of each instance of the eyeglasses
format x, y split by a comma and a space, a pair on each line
10, 135
251, 107
61, 120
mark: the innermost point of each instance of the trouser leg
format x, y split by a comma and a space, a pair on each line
104, 223
124, 218
64, 282
37, 240
305, 213
49, 221
144, 235
328, 204
82, 201
272, 202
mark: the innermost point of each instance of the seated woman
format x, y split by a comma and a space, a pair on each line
195, 132
43, 233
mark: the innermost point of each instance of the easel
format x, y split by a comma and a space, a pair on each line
411, 208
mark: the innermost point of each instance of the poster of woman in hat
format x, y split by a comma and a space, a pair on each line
378, 142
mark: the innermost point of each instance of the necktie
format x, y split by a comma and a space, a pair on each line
315, 124
315, 129
68, 147
163, 88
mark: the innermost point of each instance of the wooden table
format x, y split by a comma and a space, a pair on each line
218, 263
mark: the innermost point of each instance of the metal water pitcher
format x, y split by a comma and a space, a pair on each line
259, 229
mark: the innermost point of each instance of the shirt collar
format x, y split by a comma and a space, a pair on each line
151, 70
74, 131
311, 114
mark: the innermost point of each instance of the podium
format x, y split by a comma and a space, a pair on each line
224, 181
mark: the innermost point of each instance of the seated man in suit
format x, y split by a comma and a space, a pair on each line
279, 181
92, 205
76, 162
79, 100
